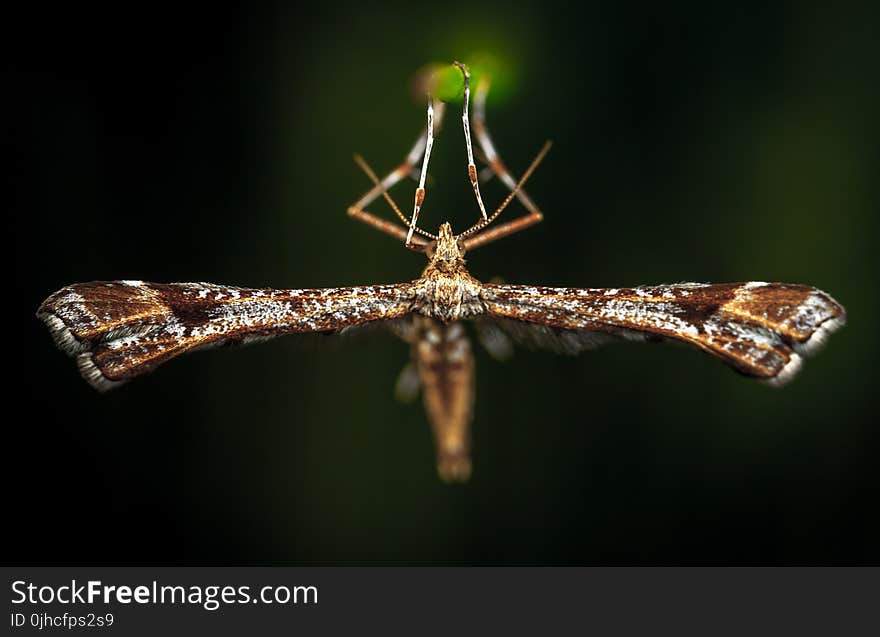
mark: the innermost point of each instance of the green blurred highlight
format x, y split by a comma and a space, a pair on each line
446, 82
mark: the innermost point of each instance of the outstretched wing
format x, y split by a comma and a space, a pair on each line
117, 330
760, 329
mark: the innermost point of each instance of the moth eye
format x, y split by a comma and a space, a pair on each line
461, 247
430, 249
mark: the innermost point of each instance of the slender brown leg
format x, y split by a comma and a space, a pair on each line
388, 227
503, 230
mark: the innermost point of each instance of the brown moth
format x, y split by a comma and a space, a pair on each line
118, 330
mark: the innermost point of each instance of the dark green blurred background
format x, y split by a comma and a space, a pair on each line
691, 143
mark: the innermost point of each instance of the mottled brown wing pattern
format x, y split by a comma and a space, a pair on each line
760, 329
117, 330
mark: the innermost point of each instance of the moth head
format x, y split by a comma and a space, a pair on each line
447, 248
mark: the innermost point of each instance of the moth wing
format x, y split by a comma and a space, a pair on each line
760, 329
117, 330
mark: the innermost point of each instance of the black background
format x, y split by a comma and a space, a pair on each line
691, 143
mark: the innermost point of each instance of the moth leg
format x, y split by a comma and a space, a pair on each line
408, 383
505, 229
497, 167
465, 122
477, 235
407, 168
494, 165
406, 389
388, 227
380, 224
420, 191
381, 186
